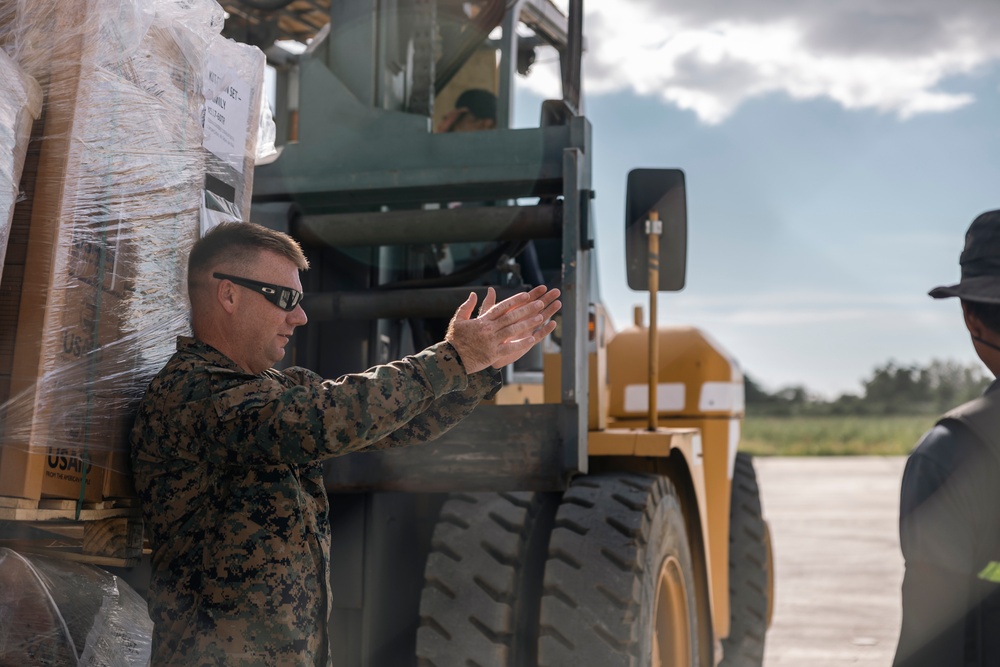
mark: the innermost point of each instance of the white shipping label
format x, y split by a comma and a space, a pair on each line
227, 112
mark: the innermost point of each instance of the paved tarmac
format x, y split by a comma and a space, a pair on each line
837, 563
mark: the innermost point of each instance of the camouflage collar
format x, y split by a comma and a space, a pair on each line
193, 346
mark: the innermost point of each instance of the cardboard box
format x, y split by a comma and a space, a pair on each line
119, 197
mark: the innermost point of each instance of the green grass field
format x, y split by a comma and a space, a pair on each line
833, 436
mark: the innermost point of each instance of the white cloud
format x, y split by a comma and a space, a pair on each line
799, 299
780, 309
710, 57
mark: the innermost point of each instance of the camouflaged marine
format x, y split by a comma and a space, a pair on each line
227, 465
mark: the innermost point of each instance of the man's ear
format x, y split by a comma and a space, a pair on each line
972, 323
227, 296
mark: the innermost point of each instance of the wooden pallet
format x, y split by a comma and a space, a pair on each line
108, 533
48, 509
299, 20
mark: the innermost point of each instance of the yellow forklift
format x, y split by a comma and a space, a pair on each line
598, 512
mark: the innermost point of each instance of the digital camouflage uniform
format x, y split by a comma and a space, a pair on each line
228, 467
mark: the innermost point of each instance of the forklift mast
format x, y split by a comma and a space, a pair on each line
376, 198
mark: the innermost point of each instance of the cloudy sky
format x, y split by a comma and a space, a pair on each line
835, 153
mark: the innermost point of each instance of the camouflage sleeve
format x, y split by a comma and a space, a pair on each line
443, 413
265, 421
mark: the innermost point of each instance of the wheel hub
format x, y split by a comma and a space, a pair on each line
671, 629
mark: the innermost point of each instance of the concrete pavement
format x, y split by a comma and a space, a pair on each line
837, 563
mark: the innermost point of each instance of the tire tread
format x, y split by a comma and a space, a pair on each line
748, 570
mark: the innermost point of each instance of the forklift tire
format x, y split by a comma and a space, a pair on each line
750, 568
482, 581
619, 587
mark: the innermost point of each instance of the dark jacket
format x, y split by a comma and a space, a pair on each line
949, 530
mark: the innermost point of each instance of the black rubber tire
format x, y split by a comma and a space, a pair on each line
749, 571
482, 582
612, 533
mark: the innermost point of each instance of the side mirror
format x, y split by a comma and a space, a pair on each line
660, 190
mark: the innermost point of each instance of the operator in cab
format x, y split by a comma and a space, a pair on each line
475, 110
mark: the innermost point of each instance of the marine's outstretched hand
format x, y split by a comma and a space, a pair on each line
504, 331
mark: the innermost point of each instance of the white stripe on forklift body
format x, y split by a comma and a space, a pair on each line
728, 396
670, 396
734, 444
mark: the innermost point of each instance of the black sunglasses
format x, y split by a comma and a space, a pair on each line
285, 298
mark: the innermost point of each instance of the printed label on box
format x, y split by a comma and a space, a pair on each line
227, 110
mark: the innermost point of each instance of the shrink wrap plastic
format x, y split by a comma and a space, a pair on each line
65, 614
20, 104
149, 132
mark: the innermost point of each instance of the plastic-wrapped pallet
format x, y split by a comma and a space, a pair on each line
150, 130
20, 104
65, 614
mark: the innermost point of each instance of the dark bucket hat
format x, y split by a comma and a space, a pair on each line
980, 263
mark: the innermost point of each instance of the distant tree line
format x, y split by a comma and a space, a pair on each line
892, 389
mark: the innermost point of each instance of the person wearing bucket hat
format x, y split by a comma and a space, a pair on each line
980, 262
949, 512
